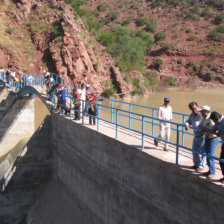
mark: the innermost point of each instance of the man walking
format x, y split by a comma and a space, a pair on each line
218, 128
199, 140
165, 113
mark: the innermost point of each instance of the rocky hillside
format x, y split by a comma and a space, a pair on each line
116, 46
45, 34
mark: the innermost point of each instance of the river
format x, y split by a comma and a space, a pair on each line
180, 99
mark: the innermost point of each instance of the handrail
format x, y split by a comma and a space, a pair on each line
38, 80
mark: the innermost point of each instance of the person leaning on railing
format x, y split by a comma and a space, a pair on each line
218, 129
91, 107
61, 94
198, 140
211, 140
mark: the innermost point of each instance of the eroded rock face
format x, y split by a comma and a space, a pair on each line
74, 58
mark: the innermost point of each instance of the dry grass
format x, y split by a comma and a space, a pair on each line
18, 41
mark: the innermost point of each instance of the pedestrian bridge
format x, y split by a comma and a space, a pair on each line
108, 173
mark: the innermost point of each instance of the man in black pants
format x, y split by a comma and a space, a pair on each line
218, 129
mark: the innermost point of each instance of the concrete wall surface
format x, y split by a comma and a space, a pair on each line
24, 180
3, 93
17, 124
123, 185
56, 206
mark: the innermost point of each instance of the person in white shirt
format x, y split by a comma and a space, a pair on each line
165, 113
82, 93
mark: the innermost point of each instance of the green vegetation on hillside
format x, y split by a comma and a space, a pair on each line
217, 34
130, 36
127, 46
218, 4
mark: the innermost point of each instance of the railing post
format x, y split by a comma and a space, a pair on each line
177, 144
112, 111
183, 130
52, 100
83, 112
34, 78
153, 122
143, 132
60, 111
70, 111
130, 110
117, 121
98, 115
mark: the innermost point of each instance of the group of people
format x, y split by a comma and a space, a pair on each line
207, 126
83, 99
17, 79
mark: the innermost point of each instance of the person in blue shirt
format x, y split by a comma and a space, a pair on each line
218, 129
61, 94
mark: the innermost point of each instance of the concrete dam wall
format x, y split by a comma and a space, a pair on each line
92, 179
109, 182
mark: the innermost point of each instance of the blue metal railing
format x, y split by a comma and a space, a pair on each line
116, 112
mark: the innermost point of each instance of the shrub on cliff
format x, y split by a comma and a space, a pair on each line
219, 19
151, 79
160, 36
110, 90
151, 25
126, 21
106, 37
207, 13
76, 3
141, 21
157, 62
102, 7
218, 4
217, 34
147, 38
9, 30
112, 16
170, 81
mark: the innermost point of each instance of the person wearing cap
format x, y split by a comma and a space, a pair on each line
198, 140
211, 139
88, 89
218, 129
165, 113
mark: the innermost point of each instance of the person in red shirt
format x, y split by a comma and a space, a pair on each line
76, 103
92, 111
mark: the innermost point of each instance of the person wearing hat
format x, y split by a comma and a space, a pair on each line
218, 129
198, 140
165, 113
211, 139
